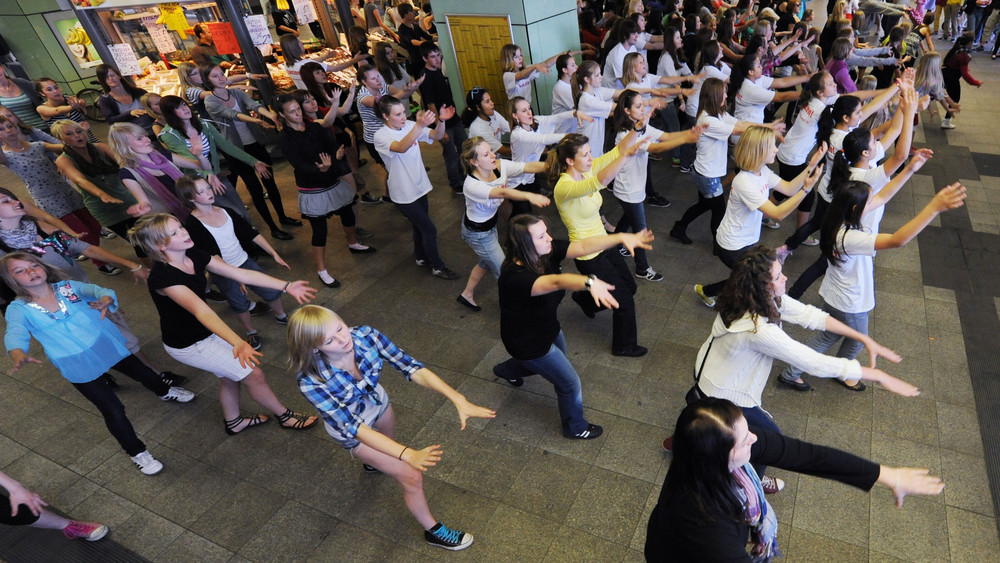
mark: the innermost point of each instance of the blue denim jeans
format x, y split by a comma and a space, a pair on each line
823, 341
634, 220
554, 366
239, 302
486, 246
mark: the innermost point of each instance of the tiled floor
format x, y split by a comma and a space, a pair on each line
525, 492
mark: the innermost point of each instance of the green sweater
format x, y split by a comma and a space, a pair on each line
176, 142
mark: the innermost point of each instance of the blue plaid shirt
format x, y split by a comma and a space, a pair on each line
337, 395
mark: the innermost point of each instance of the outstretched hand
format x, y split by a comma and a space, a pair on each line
631, 241
301, 291
424, 459
247, 356
467, 410
876, 351
951, 197
905, 481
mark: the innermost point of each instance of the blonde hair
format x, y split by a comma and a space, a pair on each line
507, 53
63, 125
149, 232
755, 143
928, 73
306, 330
183, 72
118, 138
628, 75
631, 7
839, 13
52, 274
145, 101
469, 152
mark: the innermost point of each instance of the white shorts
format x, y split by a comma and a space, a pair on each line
370, 411
213, 355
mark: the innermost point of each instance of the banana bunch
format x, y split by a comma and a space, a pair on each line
77, 36
88, 3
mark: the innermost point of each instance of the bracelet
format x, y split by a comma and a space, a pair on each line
285, 289
402, 452
136, 270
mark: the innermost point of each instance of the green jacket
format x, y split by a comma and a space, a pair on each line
176, 143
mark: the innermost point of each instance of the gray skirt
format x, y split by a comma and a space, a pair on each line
321, 202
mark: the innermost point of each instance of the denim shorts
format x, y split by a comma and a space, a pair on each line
707, 187
486, 246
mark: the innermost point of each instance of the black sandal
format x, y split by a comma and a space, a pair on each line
255, 420
302, 421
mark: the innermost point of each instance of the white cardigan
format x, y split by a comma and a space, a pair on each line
740, 361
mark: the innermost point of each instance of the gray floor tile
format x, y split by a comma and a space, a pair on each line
292, 533
572, 545
808, 547
190, 546
911, 533
236, 517
832, 510
972, 537
609, 505
965, 481
548, 485
147, 534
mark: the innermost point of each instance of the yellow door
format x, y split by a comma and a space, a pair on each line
477, 41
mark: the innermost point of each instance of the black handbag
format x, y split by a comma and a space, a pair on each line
695, 393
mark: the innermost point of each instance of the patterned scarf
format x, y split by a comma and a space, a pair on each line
159, 162
24, 238
758, 515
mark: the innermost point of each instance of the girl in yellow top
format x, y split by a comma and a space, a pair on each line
578, 180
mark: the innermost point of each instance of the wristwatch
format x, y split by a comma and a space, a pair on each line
590, 282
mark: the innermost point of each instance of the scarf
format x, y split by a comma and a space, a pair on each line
98, 165
163, 164
758, 515
25, 238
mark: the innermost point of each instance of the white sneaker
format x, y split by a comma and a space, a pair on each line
179, 394
811, 241
947, 124
147, 463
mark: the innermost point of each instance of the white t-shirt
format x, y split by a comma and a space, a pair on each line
713, 145
691, 105
752, 98
407, 181
666, 68
648, 81
614, 64
490, 130
479, 206
630, 182
801, 138
517, 87
230, 250
835, 144
528, 146
877, 179
562, 100
850, 285
596, 104
740, 225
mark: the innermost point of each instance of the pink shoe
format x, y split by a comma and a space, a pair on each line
90, 531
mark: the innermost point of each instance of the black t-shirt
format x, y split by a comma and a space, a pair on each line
179, 327
407, 35
436, 89
284, 18
528, 325
302, 148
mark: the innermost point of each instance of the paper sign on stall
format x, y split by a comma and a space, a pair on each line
173, 17
257, 27
125, 59
304, 11
225, 39
161, 38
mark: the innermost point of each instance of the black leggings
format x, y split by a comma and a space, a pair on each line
809, 227
729, 258
319, 227
100, 394
249, 176
952, 85
24, 516
812, 273
717, 205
